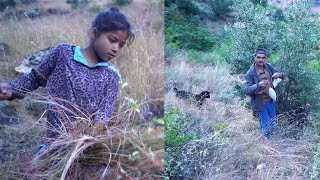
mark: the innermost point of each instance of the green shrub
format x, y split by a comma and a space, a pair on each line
7, 3
96, 9
175, 128
121, 2
168, 3
176, 135
314, 65
174, 16
291, 42
187, 6
315, 168
76, 4
278, 15
195, 56
191, 37
27, 2
187, 153
260, 2
220, 7
32, 12
186, 28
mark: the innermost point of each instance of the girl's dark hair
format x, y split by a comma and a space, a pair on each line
113, 20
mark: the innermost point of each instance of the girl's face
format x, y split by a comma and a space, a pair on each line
108, 44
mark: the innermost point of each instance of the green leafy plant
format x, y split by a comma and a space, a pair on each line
260, 2
7, 3
121, 2
77, 4
220, 7
185, 27
176, 135
28, 1
175, 127
32, 12
96, 9
291, 42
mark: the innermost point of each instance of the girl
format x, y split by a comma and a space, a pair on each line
79, 82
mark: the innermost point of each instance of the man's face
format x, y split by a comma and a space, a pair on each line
260, 59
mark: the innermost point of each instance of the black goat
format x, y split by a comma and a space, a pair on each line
199, 98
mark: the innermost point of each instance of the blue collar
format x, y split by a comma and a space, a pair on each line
79, 58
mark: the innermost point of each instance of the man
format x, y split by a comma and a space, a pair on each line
258, 80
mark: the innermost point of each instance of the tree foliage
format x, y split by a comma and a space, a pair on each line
77, 4
186, 26
220, 7
7, 3
291, 37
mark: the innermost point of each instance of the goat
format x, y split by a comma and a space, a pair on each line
199, 98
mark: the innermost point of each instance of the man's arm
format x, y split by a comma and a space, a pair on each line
278, 74
249, 86
283, 76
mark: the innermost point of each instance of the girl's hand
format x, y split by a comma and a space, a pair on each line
99, 128
5, 91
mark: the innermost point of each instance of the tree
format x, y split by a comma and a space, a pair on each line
292, 43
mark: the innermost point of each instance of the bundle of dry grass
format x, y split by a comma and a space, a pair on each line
101, 154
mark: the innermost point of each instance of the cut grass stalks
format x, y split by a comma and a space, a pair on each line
122, 153
85, 150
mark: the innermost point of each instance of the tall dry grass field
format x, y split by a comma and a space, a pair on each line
141, 67
141, 64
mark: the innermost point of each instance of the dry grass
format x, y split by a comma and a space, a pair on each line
84, 150
141, 67
30, 35
94, 155
238, 150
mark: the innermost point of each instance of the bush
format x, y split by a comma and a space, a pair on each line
121, 2
76, 4
186, 28
168, 3
220, 7
176, 125
260, 2
187, 6
195, 56
189, 151
96, 9
31, 13
7, 3
191, 37
291, 42
176, 135
27, 2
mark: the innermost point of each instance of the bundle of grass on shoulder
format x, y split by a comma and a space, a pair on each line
94, 152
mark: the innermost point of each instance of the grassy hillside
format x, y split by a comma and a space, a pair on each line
221, 140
